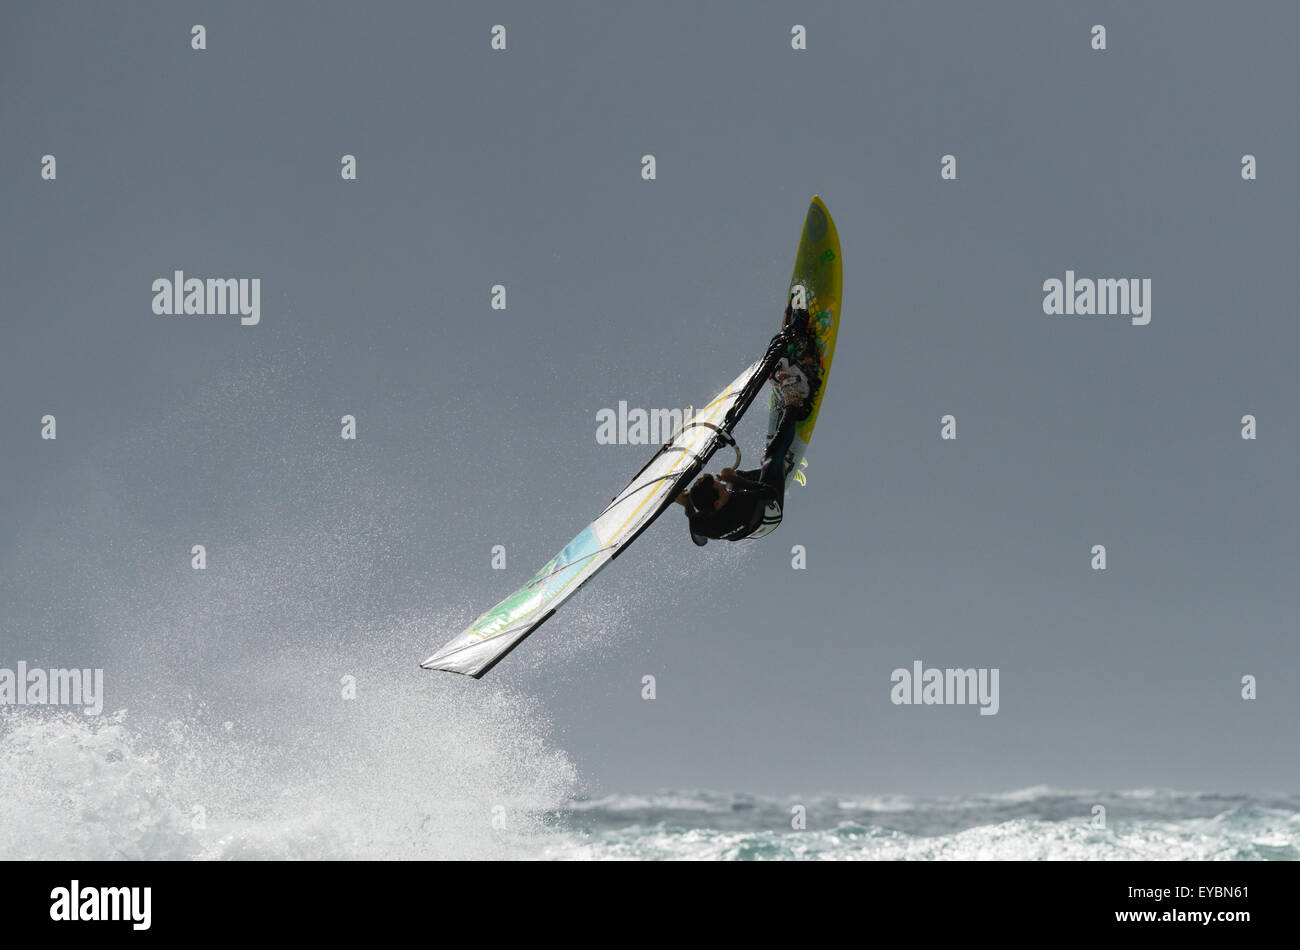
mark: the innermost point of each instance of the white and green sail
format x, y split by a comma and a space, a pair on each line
500, 630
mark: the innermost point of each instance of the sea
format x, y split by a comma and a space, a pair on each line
130, 786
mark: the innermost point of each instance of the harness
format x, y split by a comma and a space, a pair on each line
771, 517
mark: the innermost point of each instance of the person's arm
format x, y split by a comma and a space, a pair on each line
776, 346
733, 477
684, 499
746, 484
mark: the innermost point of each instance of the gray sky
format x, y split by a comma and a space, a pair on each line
477, 427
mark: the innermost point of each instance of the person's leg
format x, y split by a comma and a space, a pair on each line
773, 470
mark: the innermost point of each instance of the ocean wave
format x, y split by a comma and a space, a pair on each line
1036, 823
410, 768
440, 781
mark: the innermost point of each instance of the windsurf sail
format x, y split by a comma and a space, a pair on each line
646, 497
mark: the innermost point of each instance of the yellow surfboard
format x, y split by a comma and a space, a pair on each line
819, 271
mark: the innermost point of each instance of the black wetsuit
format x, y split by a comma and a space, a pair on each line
751, 493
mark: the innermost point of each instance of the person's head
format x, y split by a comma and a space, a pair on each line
709, 493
